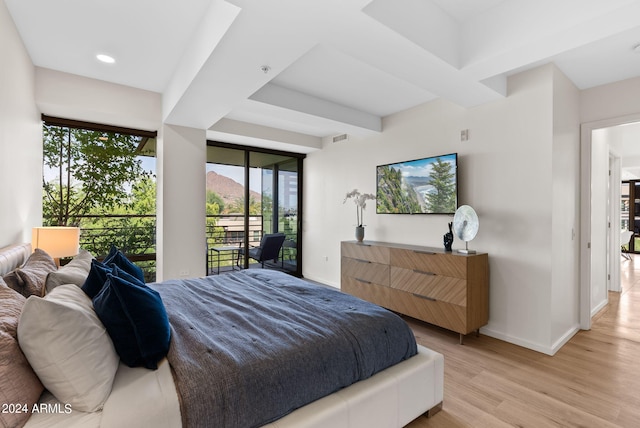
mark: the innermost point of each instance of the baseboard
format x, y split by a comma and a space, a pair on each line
565, 338
321, 281
544, 349
598, 308
517, 341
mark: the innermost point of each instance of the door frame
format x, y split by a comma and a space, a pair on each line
615, 182
586, 147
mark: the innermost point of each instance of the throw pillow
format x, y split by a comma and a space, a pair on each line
30, 278
96, 278
68, 347
74, 272
18, 383
112, 253
135, 318
119, 259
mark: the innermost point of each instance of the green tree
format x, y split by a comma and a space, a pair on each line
215, 203
214, 206
443, 198
237, 207
92, 169
143, 195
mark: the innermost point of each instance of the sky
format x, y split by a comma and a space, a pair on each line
236, 173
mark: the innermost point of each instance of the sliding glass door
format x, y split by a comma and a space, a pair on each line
252, 192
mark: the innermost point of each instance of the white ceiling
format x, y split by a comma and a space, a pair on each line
335, 66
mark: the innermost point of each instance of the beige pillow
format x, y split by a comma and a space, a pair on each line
18, 383
29, 279
68, 347
74, 272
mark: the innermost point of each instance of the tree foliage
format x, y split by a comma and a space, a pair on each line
214, 206
91, 169
215, 203
237, 206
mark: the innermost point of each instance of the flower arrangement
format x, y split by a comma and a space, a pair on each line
360, 199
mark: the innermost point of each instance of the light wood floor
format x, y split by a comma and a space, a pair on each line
593, 381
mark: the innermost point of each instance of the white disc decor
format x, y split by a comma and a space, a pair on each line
465, 226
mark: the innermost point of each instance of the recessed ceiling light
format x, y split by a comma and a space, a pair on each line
105, 58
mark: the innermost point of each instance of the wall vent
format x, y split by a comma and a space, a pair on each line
341, 137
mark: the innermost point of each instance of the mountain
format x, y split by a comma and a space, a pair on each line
228, 189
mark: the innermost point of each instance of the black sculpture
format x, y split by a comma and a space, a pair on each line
448, 238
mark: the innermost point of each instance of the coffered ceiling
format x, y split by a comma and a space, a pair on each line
325, 67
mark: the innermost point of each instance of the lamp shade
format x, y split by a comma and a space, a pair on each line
57, 241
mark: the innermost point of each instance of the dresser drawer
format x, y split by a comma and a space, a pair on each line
374, 293
365, 270
438, 263
443, 314
371, 253
431, 285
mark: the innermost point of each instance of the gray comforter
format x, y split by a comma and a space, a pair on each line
249, 347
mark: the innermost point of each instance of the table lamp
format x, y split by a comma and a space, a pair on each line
57, 241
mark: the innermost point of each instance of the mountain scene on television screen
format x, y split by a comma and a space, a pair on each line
434, 192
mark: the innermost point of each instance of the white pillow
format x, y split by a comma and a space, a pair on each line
74, 272
68, 347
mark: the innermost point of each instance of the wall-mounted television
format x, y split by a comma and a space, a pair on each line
420, 186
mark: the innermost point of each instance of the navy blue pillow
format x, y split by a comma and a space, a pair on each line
135, 318
116, 257
112, 253
96, 278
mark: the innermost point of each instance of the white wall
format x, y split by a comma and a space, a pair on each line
20, 138
615, 100
506, 173
80, 98
565, 290
181, 167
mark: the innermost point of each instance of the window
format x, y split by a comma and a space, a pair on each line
102, 179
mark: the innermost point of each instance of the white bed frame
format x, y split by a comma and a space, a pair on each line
140, 397
391, 398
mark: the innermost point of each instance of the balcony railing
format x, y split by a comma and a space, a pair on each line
226, 231
135, 236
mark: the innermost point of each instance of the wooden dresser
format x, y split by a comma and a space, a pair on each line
450, 290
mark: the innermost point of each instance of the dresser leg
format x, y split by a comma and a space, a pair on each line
461, 338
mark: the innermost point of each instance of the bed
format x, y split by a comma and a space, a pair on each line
137, 396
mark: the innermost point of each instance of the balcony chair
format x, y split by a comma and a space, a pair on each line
269, 248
